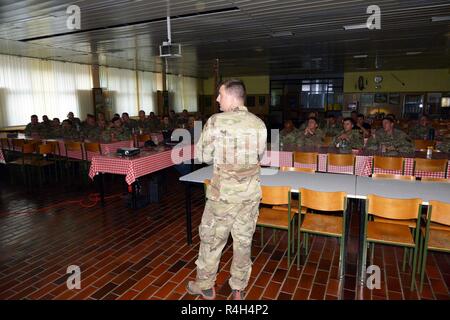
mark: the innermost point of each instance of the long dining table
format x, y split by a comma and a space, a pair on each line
356, 187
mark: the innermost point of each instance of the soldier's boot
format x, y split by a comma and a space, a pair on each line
194, 289
238, 294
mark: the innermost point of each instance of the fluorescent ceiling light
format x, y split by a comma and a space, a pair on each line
356, 26
282, 34
441, 18
413, 53
360, 56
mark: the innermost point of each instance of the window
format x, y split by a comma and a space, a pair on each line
318, 94
34, 86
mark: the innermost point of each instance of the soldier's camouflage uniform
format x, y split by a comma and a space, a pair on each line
420, 132
355, 140
31, 129
308, 140
93, 133
120, 134
398, 141
234, 193
289, 138
444, 146
332, 130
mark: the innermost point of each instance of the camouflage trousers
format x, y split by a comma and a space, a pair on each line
219, 219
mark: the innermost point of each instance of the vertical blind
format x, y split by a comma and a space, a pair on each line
34, 86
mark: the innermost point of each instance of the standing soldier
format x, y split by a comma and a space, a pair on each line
234, 194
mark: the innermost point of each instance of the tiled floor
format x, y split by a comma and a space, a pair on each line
143, 255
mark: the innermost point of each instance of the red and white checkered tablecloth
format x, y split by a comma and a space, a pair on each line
408, 169
2, 157
141, 165
277, 159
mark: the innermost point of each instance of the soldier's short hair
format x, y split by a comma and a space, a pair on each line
312, 118
125, 114
67, 121
389, 119
236, 87
34, 116
115, 119
360, 115
90, 116
348, 119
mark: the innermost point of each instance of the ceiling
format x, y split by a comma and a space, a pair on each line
248, 37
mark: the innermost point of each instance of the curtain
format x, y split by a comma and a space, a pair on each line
34, 86
121, 85
183, 93
147, 91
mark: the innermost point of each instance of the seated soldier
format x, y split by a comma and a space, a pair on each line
311, 114
312, 136
166, 124
68, 132
143, 123
76, 122
155, 124
131, 124
117, 132
332, 128
289, 134
362, 126
349, 138
422, 130
444, 145
56, 130
34, 128
90, 130
389, 139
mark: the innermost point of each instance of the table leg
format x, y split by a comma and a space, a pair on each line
361, 268
133, 196
188, 214
100, 179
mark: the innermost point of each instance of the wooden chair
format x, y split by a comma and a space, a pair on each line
294, 203
294, 169
430, 165
388, 163
327, 141
431, 179
389, 233
340, 159
322, 224
306, 158
389, 176
424, 144
142, 138
277, 219
92, 147
25, 159
4, 144
436, 234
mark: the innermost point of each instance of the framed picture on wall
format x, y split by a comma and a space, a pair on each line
380, 98
394, 98
366, 99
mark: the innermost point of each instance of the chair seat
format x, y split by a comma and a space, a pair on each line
322, 224
273, 218
389, 233
294, 207
439, 240
409, 223
22, 162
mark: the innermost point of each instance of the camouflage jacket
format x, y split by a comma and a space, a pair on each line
93, 133
354, 141
397, 142
308, 140
419, 132
70, 134
444, 146
234, 141
131, 124
332, 131
289, 138
116, 134
34, 129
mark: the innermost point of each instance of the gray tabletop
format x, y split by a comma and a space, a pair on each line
403, 189
326, 182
